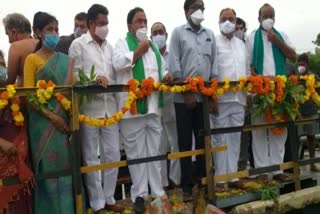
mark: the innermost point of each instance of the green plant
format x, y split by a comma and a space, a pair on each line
269, 191
85, 80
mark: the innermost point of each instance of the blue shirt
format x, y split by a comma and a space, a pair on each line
191, 54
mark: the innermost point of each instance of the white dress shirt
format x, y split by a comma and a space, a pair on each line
87, 52
231, 62
269, 68
122, 61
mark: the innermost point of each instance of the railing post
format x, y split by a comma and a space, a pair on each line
76, 155
208, 154
293, 139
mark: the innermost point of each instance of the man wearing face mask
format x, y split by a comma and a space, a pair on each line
80, 28
137, 57
192, 51
268, 50
169, 139
308, 110
232, 63
92, 49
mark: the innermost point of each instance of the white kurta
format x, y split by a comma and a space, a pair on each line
231, 63
268, 149
169, 138
87, 52
141, 133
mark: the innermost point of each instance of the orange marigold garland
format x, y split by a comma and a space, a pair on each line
16, 113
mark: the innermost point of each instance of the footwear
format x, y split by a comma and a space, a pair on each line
138, 205
263, 178
281, 178
114, 208
237, 185
101, 211
219, 188
187, 197
314, 168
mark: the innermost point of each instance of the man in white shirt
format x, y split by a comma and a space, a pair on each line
92, 49
169, 139
268, 50
231, 63
136, 57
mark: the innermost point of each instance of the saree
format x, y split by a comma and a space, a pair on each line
16, 198
49, 147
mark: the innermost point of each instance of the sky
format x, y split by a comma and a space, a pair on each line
300, 20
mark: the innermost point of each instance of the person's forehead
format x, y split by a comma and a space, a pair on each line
227, 13
266, 10
139, 15
197, 3
157, 27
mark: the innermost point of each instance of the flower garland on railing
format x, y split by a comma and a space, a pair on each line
276, 98
7, 95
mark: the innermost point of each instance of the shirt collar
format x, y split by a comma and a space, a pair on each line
188, 27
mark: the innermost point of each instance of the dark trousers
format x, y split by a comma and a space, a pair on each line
188, 122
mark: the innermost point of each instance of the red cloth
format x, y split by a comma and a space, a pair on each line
11, 166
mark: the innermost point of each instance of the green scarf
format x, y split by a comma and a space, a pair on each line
138, 71
258, 54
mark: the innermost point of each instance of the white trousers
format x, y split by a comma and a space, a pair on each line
107, 139
268, 149
141, 138
230, 115
169, 142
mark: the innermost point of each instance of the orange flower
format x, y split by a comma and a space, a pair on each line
4, 95
294, 79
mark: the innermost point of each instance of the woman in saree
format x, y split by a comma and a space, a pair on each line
48, 129
14, 162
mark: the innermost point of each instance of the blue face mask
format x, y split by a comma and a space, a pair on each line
3, 74
51, 41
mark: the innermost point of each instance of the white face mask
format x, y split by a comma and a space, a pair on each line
197, 17
78, 32
227, 27
301, 69
102, 32
239, 34
159, 40
267, 24
141, 34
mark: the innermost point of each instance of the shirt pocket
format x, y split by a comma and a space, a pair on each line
206, 48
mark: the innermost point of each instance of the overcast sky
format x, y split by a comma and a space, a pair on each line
299, 19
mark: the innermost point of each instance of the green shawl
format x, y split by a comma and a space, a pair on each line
138, 71
258, 54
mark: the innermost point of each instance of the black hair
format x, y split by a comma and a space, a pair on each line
187, 4
303, 58
242, 22
81, 16
96, 10
40, 21
266, 5
225, 9
164, 27
132, 13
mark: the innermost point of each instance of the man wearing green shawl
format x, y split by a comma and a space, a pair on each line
268, 50
136, 57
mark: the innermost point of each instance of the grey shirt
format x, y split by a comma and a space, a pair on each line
191, 54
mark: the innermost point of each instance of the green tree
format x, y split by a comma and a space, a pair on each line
314, 60
317, 41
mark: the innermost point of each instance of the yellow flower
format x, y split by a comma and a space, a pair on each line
19, 118
3, 103
66, 104
220, 91
11, 90
15, 107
